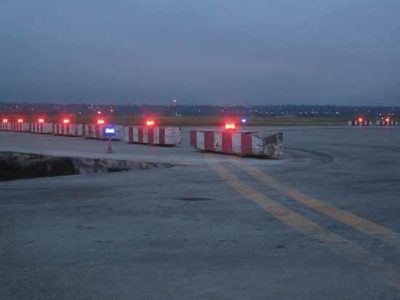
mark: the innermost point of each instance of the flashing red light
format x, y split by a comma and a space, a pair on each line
387, 120
230, 126
360, 120
41, 120
150, 123
100, 121
5, 120
20, 120
66, 121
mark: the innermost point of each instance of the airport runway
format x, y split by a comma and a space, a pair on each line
321, 223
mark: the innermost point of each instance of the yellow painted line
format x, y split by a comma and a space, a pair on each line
342, 246
334, 212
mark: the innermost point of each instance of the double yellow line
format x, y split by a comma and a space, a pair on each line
336, 213
342, 246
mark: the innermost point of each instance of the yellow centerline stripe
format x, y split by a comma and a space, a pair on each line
334, 212
344, 247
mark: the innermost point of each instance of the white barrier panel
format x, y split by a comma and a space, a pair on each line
239, 143
96, 131
167, 136
68, 129
43, 128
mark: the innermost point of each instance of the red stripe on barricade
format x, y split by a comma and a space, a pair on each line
161, 136
97, 131
140, 135
193, 138
150, 132
209, 140
227, 142
130, 135
246, 143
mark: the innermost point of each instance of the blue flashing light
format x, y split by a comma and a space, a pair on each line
109, 131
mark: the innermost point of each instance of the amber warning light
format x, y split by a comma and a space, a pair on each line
230, 126
149, 122
5, 120
66, 121
20, 121
100, 121
41, 120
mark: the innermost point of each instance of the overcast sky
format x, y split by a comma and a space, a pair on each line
202, 52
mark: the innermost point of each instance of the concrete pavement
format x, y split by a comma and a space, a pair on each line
189, 233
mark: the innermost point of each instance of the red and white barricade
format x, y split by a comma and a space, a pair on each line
20, 126
96, 131
239, 143
360, 123
387, 123
68, 129
41, 127
5, 126
163, 136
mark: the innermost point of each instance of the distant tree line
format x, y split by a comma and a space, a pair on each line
202, 110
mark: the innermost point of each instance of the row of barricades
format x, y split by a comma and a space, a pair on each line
370, 123
243, 143
387, 123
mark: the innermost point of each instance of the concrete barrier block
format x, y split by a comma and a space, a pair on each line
239, 143
68, 129
5, 126
20, 127
162, 136
43, 128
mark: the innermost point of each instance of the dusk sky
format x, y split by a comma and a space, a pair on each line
202, 52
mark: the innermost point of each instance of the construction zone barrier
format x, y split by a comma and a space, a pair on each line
360, 123
387, 123
41, 127
20, 126
68, 129
163, 136
96, 131
239, 143
5, 126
